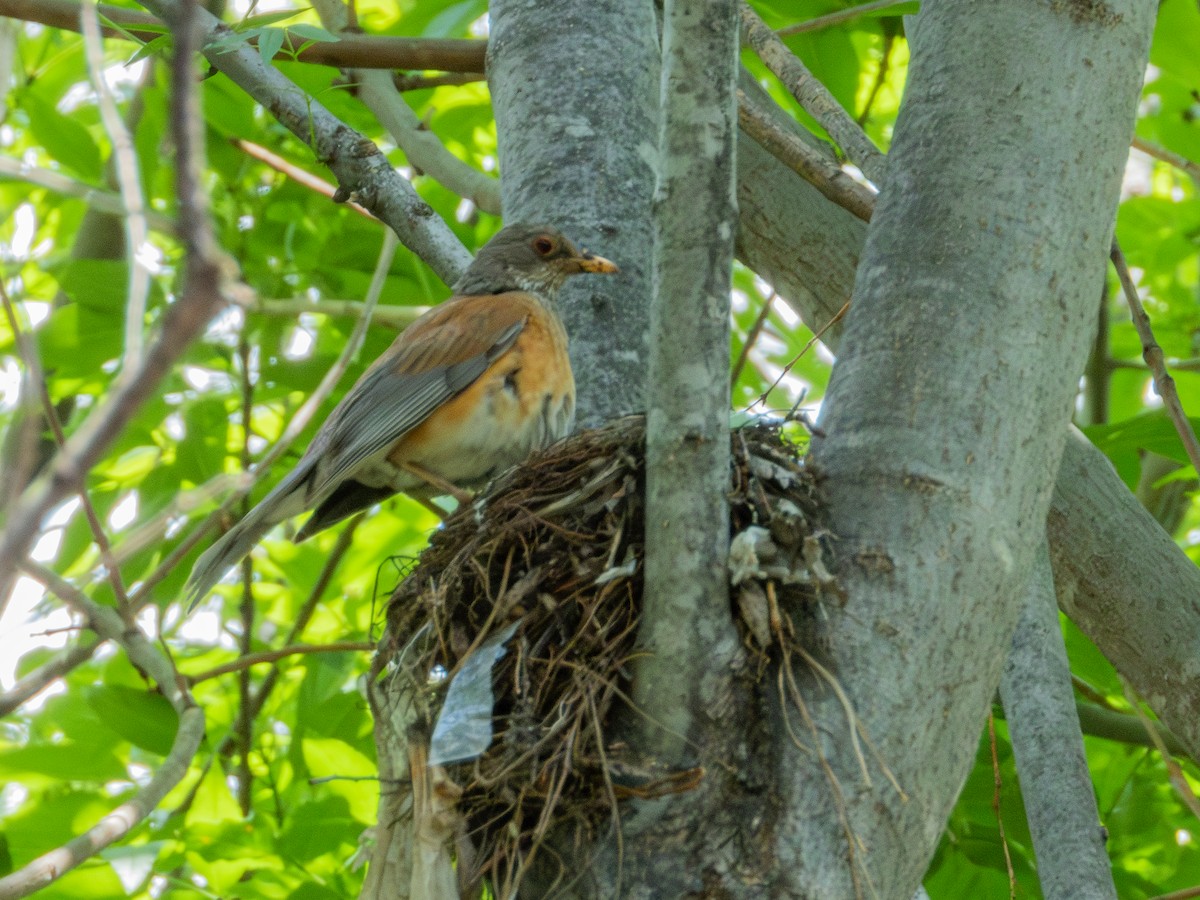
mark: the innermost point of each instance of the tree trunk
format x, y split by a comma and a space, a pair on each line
944, 419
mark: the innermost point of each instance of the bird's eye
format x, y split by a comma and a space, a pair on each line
543, 245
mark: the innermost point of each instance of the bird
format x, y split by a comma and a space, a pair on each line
464, 393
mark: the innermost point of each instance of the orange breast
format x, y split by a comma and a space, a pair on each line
524, 401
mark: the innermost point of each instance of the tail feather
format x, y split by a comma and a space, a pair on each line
285, 501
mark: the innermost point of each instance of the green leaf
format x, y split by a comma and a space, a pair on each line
312, 33
144, 719
63, 137
270, 40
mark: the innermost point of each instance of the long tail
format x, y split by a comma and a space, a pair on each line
285, 501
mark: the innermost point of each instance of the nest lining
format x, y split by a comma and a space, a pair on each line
556, 545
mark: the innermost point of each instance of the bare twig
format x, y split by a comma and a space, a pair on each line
104, 201
109, 625
37, 383
805, 160
812, 95
408, 81
39, 679
838, 18
360, 51
997, 784
297, 174
1171, 158
424, 150
1153, 354
397, 317
302, 619
751, 338
134, 212
266, 656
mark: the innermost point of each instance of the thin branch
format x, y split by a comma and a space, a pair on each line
812, 95
295, 173
424, 150
37, 382
404, 81
397, 317
109, 625
32, 684
102, 200
1171, 158
361, 169
838, 18
302, 619
360, 51
752, 337
129, 182
1153, 354
266, 656
805, 160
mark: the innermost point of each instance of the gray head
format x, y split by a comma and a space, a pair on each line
534, 258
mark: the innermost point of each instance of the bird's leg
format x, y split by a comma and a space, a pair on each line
435, 480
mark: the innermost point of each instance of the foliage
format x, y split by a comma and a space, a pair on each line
270, 808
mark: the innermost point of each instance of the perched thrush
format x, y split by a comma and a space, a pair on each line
465, 392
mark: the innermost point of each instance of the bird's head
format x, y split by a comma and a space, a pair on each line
534, 258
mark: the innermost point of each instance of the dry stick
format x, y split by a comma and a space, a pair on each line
997, 783
244, 724
805, 160
361, 51
110, 626
812, 95
130, 184
752, 337
266, 656
37, 381
1162, 154
1153, 354
837, 18
297, 174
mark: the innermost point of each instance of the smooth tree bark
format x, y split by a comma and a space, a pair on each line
943, 425
1119, 575
685, 670
575, 92
1039, 704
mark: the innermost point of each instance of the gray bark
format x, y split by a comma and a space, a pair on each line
944, 418
1039, 703
1120, 577
687, 422
575, 92
1128, 587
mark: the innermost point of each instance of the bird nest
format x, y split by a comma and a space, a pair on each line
545, 569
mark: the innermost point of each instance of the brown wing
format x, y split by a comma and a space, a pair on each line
434, 359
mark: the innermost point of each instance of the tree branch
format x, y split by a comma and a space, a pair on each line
358, 51
813, 96
421, 146
1060, 801
108, 624
1153, 354
805, 160
265, 656
359, 166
